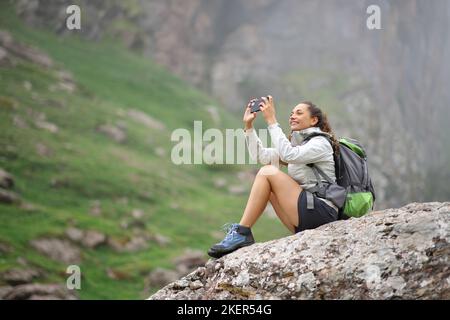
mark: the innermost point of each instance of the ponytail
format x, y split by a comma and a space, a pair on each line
322, 123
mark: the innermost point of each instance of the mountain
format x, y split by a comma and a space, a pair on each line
387, 88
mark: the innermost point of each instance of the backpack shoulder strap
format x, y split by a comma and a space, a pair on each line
316, 169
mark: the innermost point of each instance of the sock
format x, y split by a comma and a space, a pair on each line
244, 230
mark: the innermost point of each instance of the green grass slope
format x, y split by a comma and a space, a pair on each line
77, 165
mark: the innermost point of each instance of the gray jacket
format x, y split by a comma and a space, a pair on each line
318, 150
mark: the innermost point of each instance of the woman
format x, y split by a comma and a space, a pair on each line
286, 192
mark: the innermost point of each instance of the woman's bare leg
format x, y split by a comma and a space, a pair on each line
280, 213
271, 179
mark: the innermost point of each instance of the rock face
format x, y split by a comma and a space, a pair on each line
391, 254
36, 292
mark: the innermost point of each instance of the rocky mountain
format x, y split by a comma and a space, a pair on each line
386, 87
391, 254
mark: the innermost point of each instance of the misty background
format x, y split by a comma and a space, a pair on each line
388, 88
86, 118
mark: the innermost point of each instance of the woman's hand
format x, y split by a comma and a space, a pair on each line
249, 116
268, 110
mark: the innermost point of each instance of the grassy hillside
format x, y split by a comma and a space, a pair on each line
59, 175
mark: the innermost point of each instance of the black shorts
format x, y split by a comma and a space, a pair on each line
313, 218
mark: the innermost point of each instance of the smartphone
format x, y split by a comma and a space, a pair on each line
254, 105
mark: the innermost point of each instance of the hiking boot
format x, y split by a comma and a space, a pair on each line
237, 237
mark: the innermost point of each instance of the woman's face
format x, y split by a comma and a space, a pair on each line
301, 118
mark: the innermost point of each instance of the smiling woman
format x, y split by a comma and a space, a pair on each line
306, 114
297, 208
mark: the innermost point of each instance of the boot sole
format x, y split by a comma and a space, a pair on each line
219, 254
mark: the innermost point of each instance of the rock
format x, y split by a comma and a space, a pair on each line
391, 254
65, 76
146, 120
60, 182
19, 276
24, 51
237, 189
27, 206
122, 125
19, 122
3, 57
161, 240
246, 176
62, 86
42, 150
160, 152
122, 201
8, 103
9, 197
129, 244
195, 285
90, 238
95, 208
220, 183
66, 82
6, 180
93, 239
161, 277
38, 292
116, 274
4, 291
74, 234
22, 261
113, 132
57, 249
133, 223
42, 124
190, 260
4, 248
137, 213
174, 206
27, 85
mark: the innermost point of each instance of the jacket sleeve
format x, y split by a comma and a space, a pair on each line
313, 151
258, 152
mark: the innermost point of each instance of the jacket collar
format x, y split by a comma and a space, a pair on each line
298, 136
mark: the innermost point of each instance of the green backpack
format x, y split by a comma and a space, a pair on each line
353, 191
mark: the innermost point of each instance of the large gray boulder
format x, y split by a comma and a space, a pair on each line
391, 254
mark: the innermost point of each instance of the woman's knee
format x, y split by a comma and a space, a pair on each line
268, 170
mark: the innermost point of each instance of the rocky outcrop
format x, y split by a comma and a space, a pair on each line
6, 184
391, 254
57, 249
113, 132
11, 48
6, 179
37, 292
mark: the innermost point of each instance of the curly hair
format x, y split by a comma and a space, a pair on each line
322, 123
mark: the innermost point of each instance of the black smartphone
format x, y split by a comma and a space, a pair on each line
254, 105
